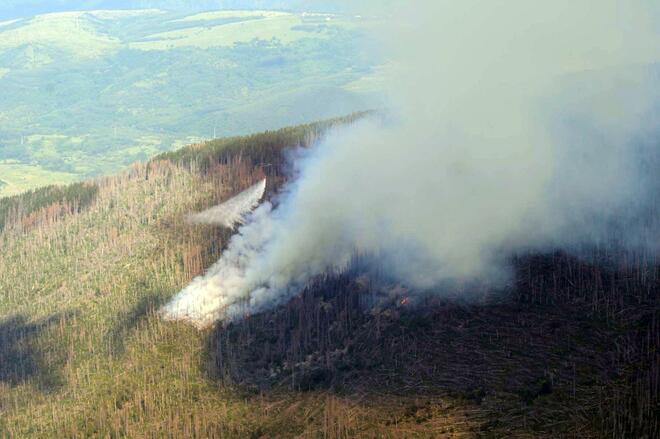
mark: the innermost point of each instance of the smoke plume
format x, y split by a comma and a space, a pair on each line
233, 211
514, 126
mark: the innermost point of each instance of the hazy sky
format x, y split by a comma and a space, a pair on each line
22, 8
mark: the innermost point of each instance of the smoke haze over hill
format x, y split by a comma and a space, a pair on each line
515, 126
24, 8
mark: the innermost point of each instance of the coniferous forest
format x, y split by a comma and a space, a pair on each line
568, 349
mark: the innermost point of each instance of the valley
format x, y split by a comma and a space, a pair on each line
88, 93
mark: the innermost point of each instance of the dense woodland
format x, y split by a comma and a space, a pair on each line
46, 204
569, 349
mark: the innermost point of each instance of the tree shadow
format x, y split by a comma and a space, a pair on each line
23, 358
129, 321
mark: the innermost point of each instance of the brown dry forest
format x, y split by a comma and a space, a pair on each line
568, 350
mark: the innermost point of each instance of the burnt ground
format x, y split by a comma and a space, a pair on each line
570, 349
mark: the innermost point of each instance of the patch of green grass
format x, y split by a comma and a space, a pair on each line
277, 27
214, 15
374, 81
18, 178
63, 31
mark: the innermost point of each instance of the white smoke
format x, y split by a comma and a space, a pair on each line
518, 125
206, 299
233, 211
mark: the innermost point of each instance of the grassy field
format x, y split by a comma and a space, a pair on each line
18, 178
83, 353
64, 31
284, 28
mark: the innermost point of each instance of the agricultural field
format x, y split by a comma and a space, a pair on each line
88, 93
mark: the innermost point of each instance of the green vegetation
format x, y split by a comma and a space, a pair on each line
69, 199
286, 28
18, 177
83, 353
259, 149
88, 93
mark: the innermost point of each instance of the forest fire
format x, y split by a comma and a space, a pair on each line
480, 172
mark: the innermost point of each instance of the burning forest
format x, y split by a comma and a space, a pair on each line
479, 258
483, 238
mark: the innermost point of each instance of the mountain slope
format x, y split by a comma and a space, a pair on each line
570, 351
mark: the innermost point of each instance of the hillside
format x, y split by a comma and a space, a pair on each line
569, 350
13, 8
87, 93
